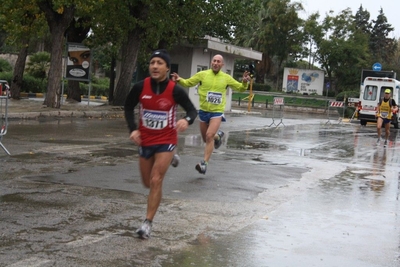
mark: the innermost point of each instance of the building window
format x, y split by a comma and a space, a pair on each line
174, 68
200, 68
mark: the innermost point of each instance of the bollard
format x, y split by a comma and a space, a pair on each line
252, 102
239, 102
266, 103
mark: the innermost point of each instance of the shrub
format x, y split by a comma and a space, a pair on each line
261, 87
5, 66
39, 65
96, 90
33, 85
351, 94
6, 76
29, 84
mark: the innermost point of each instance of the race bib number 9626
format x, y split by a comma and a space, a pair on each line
214, 98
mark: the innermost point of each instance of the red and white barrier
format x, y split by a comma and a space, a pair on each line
336, 104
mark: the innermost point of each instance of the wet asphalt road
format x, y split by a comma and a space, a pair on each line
305, 193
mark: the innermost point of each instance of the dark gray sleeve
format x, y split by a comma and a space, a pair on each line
130, 103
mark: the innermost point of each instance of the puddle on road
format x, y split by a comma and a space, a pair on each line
336, 199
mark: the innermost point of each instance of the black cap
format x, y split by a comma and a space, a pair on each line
162, 53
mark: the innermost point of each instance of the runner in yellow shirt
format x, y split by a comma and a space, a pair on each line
386, 107
213, 84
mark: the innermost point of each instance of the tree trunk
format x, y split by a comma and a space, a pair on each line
16, 83
278, 77
54, 81
112, 81
74, 91
130, 51
263, 68
58, 23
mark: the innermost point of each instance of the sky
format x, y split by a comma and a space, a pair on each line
390, 8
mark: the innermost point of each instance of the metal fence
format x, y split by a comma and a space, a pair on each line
278, 111
335, 111
4, 120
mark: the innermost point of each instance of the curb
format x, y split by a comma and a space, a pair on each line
65, 114
41, 95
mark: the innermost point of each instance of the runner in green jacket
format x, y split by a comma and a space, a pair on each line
213, 85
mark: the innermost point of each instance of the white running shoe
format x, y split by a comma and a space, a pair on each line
145, 230
175, 161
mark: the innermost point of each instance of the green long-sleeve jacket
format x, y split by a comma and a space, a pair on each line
212, 88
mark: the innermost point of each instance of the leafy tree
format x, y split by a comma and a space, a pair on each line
132, 29
341, 49
394, 63
276, 34
255, 38
5, 66
361, 20
283, 27
313, 32
59, 15
22, 22
382, 47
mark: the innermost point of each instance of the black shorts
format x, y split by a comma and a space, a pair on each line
149, 151
386, 120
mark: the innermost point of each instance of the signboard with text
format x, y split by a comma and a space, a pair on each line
303, 81
78, 62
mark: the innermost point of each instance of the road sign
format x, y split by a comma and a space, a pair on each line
377, 66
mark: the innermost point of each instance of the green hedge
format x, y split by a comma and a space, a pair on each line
6, 76
33, 85
96, 90
347, 94
5, 66
261, 87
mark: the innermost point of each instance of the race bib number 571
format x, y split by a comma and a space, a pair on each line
155, 120
214, 98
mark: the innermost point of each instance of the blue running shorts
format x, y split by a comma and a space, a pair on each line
205, 116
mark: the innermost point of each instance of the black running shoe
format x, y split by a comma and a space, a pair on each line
201, 167
218, 139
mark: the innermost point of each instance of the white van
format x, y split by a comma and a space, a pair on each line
371, 92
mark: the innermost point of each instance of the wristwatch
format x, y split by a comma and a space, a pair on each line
187, 119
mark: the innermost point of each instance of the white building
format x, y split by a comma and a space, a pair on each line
187, 59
